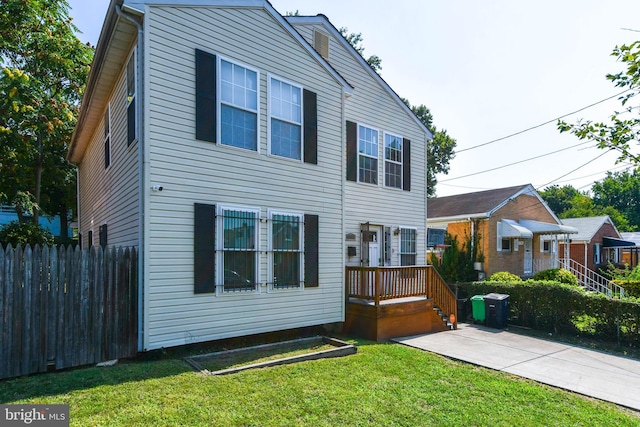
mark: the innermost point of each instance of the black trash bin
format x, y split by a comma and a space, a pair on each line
496, 310
462, 309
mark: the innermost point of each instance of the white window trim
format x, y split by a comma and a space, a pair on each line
128, 102
219, 103
384, 156
366, 155
220, 208
271, 77
107, 136
301, 237
400, 253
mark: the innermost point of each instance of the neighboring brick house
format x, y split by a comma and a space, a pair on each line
597, 243
516, 230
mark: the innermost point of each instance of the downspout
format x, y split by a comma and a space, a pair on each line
125, 14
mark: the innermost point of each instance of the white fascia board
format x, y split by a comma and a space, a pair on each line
324, 21
458, 218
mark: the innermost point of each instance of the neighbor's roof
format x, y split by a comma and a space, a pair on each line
474, 205
631, 237
589, 226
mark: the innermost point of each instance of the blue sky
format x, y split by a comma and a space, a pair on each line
486, 70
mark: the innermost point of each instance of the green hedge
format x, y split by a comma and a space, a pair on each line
560, 308
631, 287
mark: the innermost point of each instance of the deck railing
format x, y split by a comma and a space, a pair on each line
385, 283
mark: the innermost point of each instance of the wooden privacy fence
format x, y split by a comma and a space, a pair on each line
64, 307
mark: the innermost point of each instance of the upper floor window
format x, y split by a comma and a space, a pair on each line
392, 161
107, 137
286, 119
367, 155
238, 106
131, 99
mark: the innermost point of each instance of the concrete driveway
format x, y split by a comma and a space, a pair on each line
592, 373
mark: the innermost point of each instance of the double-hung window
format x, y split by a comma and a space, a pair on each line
286, 241
285, 109
107, 137
392, 161
238, 105
131, 99
238, 243
408, 250
367, 155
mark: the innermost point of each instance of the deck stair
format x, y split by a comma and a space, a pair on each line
445, 319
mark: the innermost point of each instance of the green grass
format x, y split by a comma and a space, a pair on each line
383, 384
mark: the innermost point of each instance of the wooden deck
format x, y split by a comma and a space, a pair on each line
390, 302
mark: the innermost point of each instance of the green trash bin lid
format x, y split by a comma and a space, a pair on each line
477, 298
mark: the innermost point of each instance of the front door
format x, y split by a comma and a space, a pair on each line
528, 257
374, 251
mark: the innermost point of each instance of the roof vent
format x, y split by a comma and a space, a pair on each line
321, 43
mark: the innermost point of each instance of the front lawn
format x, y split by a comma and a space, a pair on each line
383, 384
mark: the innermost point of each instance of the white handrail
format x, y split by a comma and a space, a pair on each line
591, 280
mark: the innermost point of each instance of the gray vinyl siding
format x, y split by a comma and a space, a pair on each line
110, 196
373, 106
193, 171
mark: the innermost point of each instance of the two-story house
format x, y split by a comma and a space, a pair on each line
249, 157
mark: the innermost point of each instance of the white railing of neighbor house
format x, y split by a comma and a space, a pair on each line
541, 264
591, 280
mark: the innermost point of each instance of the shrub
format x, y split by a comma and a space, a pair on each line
631, 287
504, 277
557, 275
24, 233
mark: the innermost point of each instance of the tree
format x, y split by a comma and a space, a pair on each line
621, 190
355, 40
621, 132
440, 150
567, 202
44, 70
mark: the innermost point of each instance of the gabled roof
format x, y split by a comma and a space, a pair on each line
116, 39
324, 22
589, 226
480, 204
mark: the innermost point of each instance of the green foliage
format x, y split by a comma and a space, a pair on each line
623, 129
44, 68
561, 308
355, 40
504, 277
24, 233
557, 275
567, 202
456, 263
631, 286
621, 191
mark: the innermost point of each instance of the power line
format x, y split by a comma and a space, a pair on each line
579, 167
515, 163
541, 124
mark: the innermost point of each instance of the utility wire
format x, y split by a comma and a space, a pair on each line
579, 167
514, 163
541, 124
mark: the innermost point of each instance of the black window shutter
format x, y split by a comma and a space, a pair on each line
204, 248
103, 235
406, 164
352, 151
311, 258
90, 238
131, 122
205, 96
310, 127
